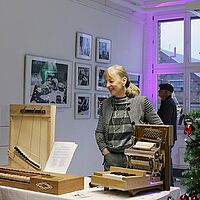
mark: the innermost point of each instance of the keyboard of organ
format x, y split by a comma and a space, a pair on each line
51, 183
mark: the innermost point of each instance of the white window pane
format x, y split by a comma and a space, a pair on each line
195, 41
194, 91
171, 45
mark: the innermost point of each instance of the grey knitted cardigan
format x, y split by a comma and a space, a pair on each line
137, 113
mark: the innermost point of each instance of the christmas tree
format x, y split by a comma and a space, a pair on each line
192, 155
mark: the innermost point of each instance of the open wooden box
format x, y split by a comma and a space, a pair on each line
32, 130
51, 183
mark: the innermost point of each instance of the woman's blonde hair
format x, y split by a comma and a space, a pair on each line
131, 89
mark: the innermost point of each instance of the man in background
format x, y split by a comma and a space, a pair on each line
168, 112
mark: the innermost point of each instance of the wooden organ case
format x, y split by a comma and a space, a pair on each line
148, 162
50, 183
32, 130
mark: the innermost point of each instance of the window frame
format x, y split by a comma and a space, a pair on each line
173, 68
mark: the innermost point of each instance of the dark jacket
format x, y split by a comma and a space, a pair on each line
168, 114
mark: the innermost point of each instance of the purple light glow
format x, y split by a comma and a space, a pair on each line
173, 3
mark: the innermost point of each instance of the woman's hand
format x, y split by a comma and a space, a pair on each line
105, 151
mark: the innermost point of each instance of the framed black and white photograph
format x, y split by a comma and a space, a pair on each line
48, 81
83, 46
100, 82
135, 78
103, 50
98, 101
83, 79
82, 105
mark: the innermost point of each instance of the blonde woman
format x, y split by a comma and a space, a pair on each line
118, 114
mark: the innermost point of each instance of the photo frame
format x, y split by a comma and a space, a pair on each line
103, 50
83, 79
82, 105
135, 78
100, 82
98, 100
83, 46
47, 81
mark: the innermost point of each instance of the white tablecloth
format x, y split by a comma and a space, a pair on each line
8, 193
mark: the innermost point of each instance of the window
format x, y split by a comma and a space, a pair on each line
178, 53
195, 42
171, 41
177, 80
194, 91
176, 60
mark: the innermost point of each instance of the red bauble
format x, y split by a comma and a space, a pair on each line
184, 197
197, 158
188, 129
194, 197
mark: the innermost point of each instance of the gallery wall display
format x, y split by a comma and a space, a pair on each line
135, 78
48, 81
98, 101
83, 46
83, 79
82, 105
100, 82
103, 50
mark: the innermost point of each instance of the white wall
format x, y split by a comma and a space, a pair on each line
48, 28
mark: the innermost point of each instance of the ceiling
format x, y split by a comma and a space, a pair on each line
150, 5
